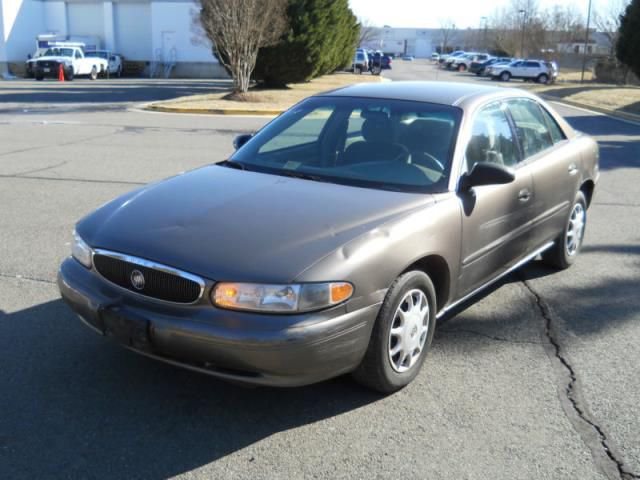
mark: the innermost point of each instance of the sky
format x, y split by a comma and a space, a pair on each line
428, 13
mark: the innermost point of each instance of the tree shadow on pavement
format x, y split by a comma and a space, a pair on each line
77, 406
100, 92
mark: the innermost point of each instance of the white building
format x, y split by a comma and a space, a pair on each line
144, 31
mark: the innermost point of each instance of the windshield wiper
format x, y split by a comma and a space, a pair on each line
233, 164
301, 175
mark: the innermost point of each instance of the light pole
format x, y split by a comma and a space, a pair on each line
586, 44
524, 23
484, 33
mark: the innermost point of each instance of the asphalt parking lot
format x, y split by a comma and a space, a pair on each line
537, 379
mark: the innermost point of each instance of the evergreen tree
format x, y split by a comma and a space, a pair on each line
628, 46
321, 38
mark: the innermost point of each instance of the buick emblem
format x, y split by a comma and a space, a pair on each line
137, 279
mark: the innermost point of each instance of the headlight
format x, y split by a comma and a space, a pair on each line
80, 250
280, 298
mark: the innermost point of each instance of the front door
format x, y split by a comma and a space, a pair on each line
495, 218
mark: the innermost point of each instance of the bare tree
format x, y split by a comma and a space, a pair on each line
447, 31
607, 20
368, 32
238, 29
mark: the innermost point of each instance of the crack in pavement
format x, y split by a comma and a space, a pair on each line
79, 180
603, 452
31, 279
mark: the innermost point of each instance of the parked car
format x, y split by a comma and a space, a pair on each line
360, 62
332, 239
462, 62
451, 58
408, 58
386, 62
488, 71
73, 63
114, 60
445, 57
435, 57
478, 67
534, 70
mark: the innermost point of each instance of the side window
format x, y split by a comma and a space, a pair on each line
557, 135
78, 54
304, 131
491, 139
531, 126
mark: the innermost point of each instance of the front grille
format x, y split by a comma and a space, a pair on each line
48, 64
158, 283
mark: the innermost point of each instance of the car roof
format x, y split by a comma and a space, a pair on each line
444, 93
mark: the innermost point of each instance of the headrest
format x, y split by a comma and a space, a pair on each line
376, 127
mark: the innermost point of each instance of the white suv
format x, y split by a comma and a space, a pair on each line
536, 70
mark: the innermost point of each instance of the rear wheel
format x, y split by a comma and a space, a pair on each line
462, 68
94, 73
568, 244
505, 76
401, 335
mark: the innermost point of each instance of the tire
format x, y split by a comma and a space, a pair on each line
119, 72
380, 370
563, 253
94, 73
462, 68
543, 78
68, 75
505, 76
38, 77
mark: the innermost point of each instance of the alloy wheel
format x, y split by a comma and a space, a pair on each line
575, 230
409, 330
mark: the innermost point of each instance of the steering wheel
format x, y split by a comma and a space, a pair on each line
403, 155
434, 163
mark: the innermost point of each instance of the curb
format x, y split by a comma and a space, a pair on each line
630, 117
211, 111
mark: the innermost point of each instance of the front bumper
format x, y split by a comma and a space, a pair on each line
244, 347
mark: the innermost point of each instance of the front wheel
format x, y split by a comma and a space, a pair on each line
568, 244
505, 76
401, 335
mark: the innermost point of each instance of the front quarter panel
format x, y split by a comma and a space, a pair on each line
375, 259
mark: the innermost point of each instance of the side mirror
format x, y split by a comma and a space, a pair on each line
240, 140
486, 173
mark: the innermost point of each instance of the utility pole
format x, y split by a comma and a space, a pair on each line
524, 23
586, 44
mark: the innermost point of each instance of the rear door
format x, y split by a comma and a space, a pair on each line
553, 163
531, 69
495, 218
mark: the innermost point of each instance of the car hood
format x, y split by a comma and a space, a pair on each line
228, 224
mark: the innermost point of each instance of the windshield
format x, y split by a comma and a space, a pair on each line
97, 54
376, 143
59, 52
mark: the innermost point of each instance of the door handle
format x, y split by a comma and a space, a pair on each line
573, 169
524, 195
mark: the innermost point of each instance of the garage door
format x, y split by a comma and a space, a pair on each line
86, 19
132, 25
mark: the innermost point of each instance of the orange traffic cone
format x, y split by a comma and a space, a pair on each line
60, 73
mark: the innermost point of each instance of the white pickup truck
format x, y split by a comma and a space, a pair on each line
73, 63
